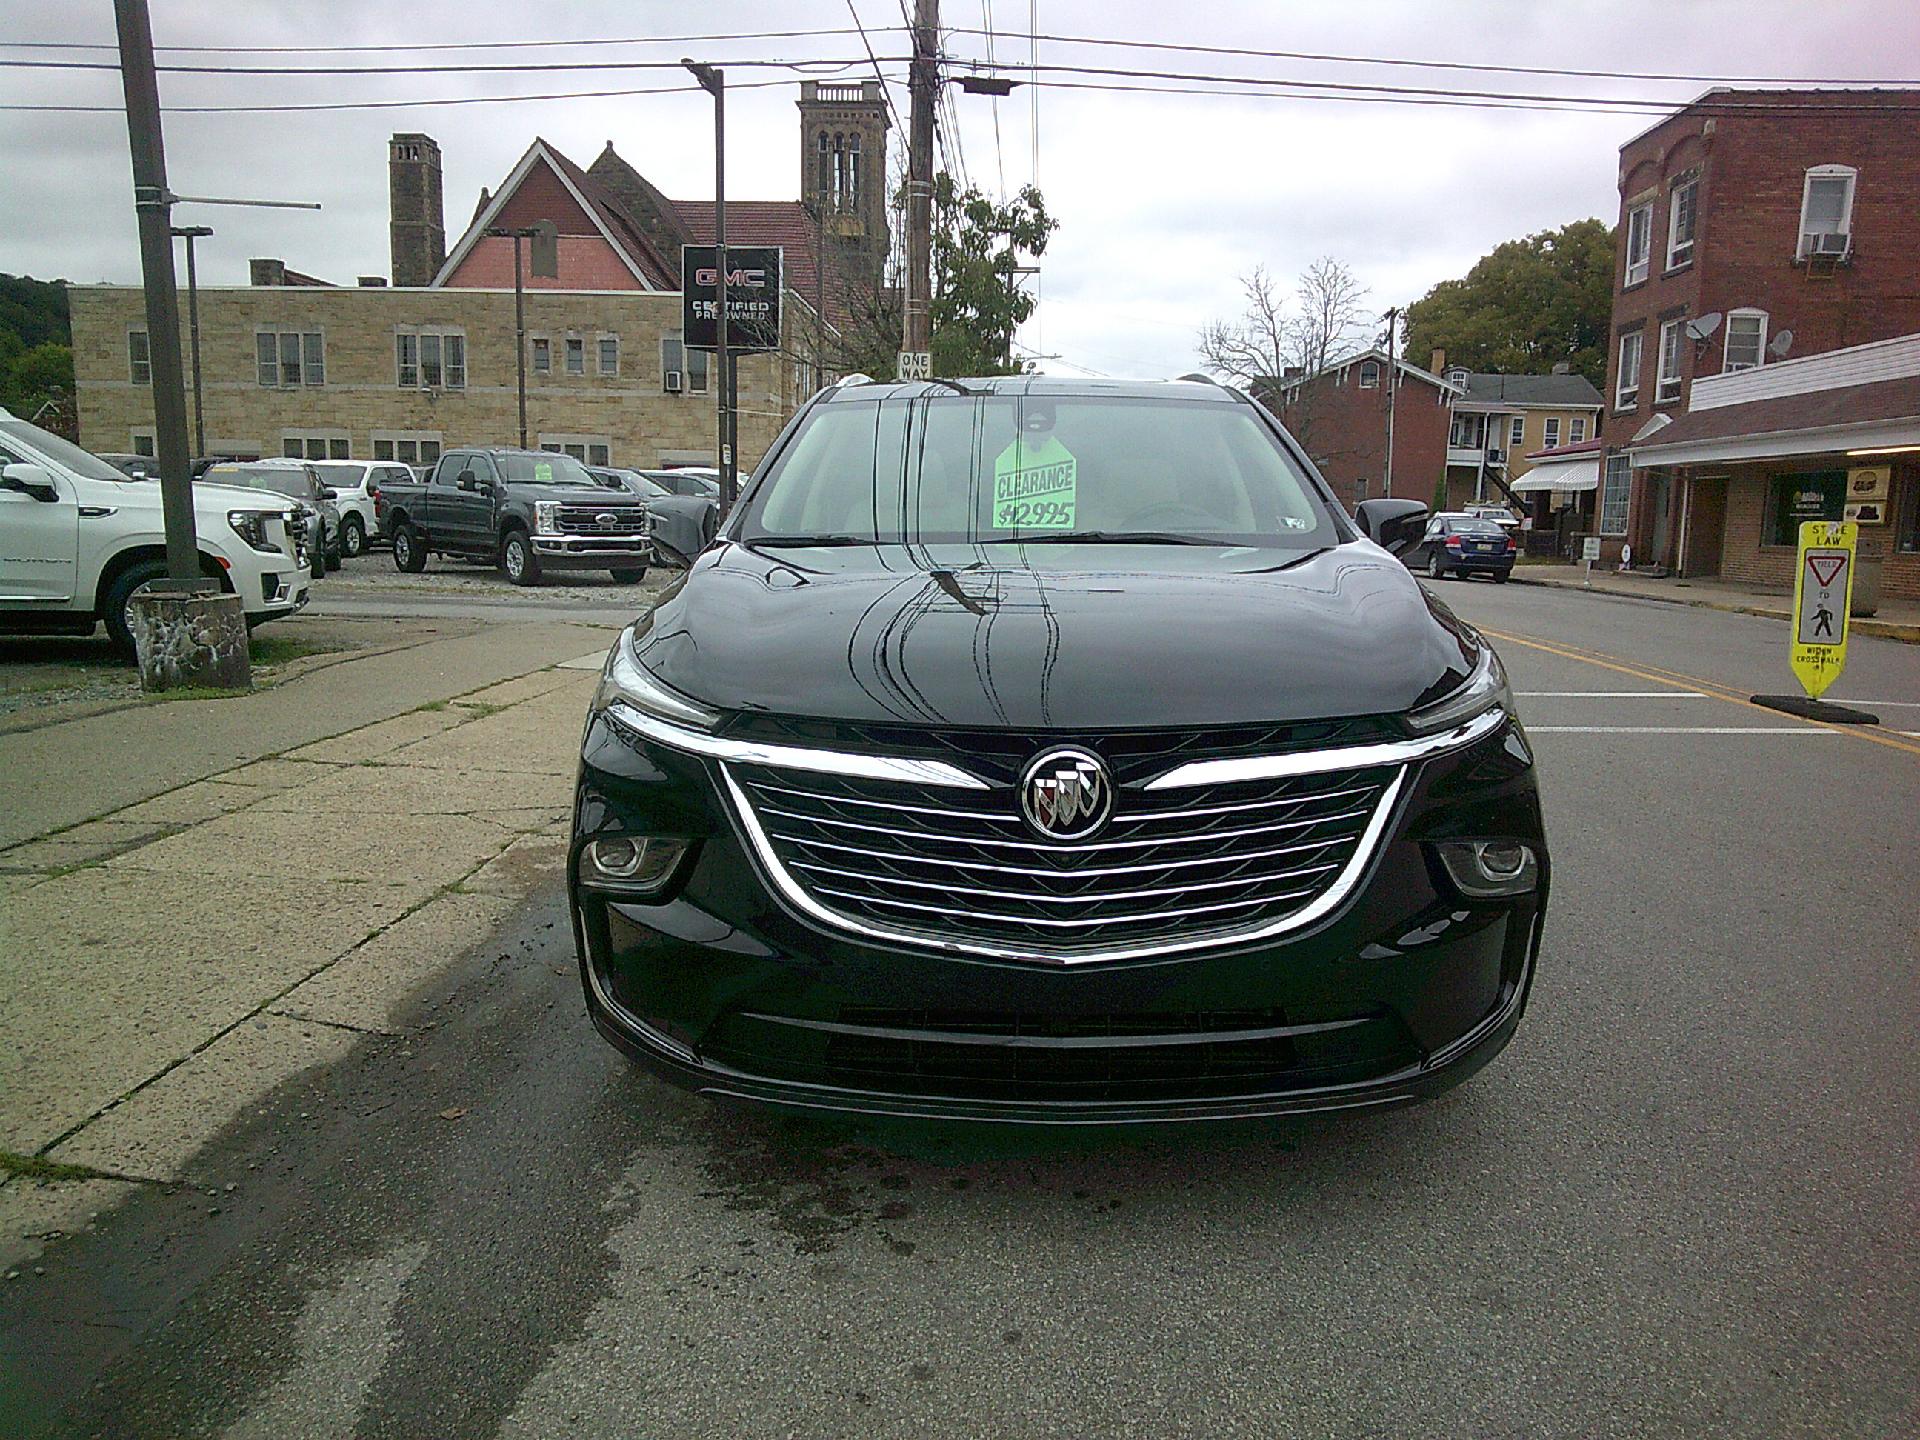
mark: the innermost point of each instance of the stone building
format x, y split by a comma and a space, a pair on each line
293, 365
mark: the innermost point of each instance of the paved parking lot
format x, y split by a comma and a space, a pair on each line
1681, 1203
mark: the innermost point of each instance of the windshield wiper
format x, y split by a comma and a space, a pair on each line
1114, 537
797, 542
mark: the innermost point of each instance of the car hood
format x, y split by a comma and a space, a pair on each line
1066, 637
595, 495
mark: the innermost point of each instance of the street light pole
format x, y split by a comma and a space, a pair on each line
713, 80
923, 84
191, 233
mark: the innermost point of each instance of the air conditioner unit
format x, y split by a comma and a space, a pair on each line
1829, 245
676, 382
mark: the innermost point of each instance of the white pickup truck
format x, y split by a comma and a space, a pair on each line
78, 538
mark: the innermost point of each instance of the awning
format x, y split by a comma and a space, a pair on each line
1561, 477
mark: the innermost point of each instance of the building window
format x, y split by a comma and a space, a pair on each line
542, 356
1826, 211
1907, 539
287, 359
315, 445
1791, 499
1552, 433
409, 447
1746, 340
1577, 429
677, 360
1683, 216
1615, 488
1369, 375
587, 449
1359, 489
609, 354
1639, 242
142, 442
1626, 394
1516, 432
576, 355
1667, 383
139, 358
430, 360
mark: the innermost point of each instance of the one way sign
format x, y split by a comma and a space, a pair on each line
1822, 595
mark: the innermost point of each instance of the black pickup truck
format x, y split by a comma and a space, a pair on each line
528, 511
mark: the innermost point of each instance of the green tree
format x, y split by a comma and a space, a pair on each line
35, 376
1531, 304
976, 303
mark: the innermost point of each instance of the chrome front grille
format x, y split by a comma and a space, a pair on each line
585, 519
959, 869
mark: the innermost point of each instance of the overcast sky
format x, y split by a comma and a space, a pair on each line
1163, 199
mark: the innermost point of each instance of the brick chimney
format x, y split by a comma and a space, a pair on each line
266, 272
417, 219
1438, 365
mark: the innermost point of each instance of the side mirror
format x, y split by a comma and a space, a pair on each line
1394, 525
466, 481
30, 480
327, 492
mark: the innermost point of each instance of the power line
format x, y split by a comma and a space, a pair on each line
390, 104
999, 156
440, 45
508, 68
886, 91
1443, 64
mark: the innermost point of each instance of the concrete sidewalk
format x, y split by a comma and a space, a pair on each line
1895, 619
200, 900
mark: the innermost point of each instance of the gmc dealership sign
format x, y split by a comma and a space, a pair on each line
753, 297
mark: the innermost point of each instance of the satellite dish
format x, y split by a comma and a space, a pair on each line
1780, 344
1701, 326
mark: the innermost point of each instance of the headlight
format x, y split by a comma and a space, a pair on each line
626, 682
1485, 689
251, 526
546, 516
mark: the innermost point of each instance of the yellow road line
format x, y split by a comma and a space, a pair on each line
1694, 682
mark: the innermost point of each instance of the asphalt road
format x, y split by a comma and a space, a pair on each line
1681, 1203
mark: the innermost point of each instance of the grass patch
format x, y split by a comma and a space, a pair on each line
481, 708
32, 1167
193, 692
430, 706
41, 687
279, 649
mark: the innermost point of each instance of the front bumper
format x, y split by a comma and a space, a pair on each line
1403, 991
587, 551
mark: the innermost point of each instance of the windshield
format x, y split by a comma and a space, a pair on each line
81, 462
549, 468
1473, 526
1039, 469
688, 482
281, 481
343, 474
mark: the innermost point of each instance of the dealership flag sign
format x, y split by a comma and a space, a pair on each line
1822, 596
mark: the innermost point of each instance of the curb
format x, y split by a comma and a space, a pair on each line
1899, 630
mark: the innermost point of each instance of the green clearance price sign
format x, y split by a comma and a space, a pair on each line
1033, 486
1822, 596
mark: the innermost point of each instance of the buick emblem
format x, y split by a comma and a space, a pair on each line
1066, 794
606, 519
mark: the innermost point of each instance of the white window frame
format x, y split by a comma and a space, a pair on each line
572, 347
327, 442
388, 446
1516, 432
1638, 269
1616, 494
1727, 363
1826, 172
1369, 375
1550, 433
674, 339
139, 367
1626, 380
1680, 252
304, 369
585, 445
441, 336
540, 354
1666, 382
600, 344
1576, 429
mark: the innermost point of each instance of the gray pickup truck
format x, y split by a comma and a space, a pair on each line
528, 511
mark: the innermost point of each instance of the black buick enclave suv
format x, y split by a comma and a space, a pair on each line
1054, 751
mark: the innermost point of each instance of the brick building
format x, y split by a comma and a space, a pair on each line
293, 365
1759, 230
1339, 416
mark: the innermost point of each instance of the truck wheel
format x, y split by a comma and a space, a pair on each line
120, 597
630, 577
518, 560
353, 537
409, 549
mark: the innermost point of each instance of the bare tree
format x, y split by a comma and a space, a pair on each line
1255, 346
1326, 317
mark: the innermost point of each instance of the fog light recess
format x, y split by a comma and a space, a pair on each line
635, 865
1486, 868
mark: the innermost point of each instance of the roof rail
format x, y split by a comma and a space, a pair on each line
854, 379
1200, 377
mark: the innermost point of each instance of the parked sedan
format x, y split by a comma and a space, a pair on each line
1460, 544
683, 524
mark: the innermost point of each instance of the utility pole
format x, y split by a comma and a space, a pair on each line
713, 80
153, 207
1393, 388
191, 233
519, 318
924, 88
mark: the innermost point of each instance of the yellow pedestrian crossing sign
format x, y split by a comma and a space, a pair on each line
1822, 595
